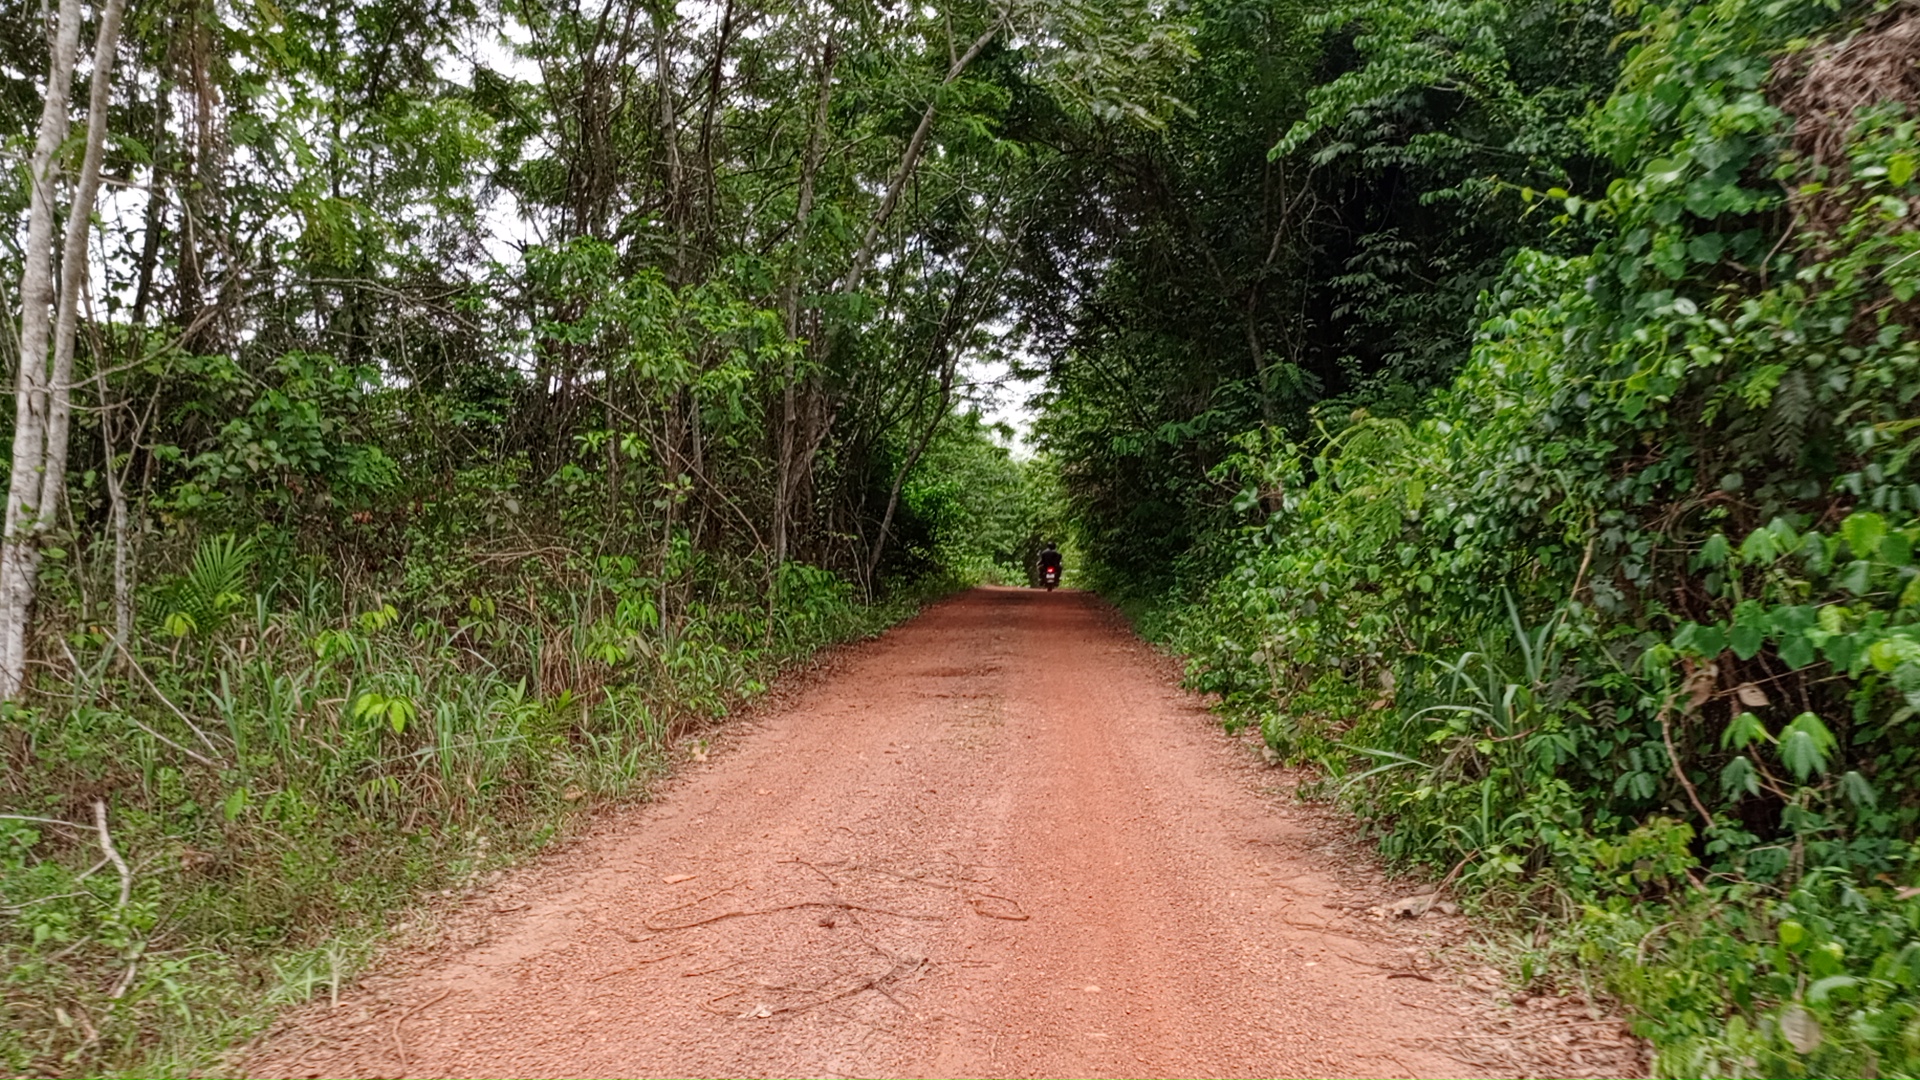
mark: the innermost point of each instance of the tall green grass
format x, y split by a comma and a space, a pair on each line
283, 771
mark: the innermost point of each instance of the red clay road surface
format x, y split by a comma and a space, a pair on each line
998, 841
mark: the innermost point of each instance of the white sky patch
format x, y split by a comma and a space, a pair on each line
1004, 399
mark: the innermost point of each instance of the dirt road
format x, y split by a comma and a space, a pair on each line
997, 842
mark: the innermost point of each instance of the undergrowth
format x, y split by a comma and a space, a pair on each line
1621, 630
281, 771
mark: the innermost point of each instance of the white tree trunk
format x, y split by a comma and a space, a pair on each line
73, 260
43, 392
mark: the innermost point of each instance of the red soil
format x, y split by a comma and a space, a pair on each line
997, 842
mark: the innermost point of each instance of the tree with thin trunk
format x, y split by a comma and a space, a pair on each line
43, 385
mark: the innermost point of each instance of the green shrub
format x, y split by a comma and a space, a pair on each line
1625, 623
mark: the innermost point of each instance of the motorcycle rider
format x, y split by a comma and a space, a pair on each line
1049, 559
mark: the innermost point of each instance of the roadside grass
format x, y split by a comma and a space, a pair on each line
283, 779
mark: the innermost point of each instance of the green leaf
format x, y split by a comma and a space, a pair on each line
1893, 650
1910, 595
1813, 551
1791, 933
1805, 745
1708, 641
1738, 777
1746, 639
1797, 651
1858, 791
1857, 576
1818, 993
1742, 730
1784, 533
1760, 546
1863, 531
1715, 551
1896, 549
1664, 170
1841, 650
1900, 169
1706, 247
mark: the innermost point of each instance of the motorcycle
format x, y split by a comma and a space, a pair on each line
1049, 577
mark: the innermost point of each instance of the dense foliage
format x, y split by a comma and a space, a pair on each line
469, 400
1197, 286
1605, 609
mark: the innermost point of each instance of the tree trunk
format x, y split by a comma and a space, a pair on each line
784, 464
43, 398
906, 467
670, 142
156, 203
122, 540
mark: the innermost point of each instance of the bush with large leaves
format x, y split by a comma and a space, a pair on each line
1629, 621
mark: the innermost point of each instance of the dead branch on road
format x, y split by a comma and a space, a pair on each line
638, 964
1019, 913
968, 890
399, 1044
839, 904
902, 967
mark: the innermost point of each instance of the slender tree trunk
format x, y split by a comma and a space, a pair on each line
670, 142
117, 522
73, 259
794, 463
43, 398
784, 464
156, 202
18, 558
906, 468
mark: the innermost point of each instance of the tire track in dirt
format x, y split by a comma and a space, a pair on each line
998, 842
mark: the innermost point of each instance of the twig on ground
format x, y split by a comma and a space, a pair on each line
1019, 913
113, 856
824, 876
711, 970
638, 964
877, 983
400, 1045
25, 904
1454, 873
42, 821
124, 982
971, 891
839, 904
695, 902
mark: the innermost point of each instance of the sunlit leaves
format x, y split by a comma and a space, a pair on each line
1863, 532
